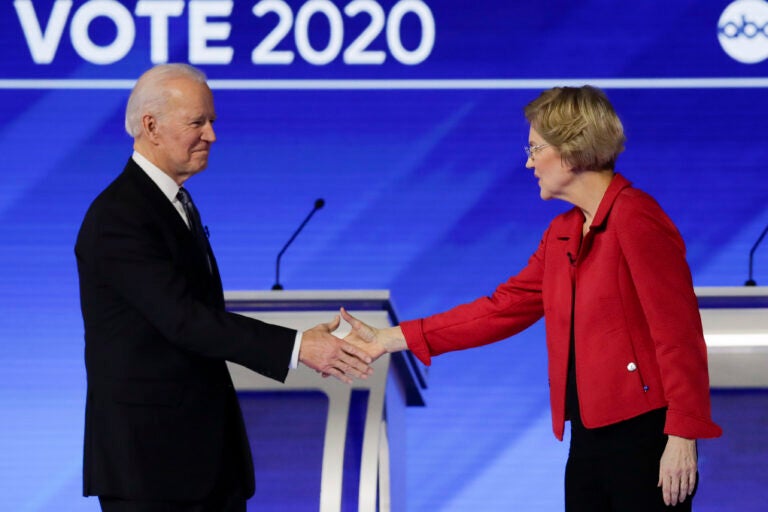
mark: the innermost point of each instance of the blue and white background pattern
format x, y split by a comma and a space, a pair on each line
406, 117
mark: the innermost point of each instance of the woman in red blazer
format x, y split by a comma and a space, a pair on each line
627, 359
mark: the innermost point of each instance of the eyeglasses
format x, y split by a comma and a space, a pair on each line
531, 150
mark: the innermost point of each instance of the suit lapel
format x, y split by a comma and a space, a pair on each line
156, 201
569, 235
171, 222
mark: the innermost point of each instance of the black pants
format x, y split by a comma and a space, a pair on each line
226, 495
616, 468
217, 504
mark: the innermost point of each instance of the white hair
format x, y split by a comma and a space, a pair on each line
150, 95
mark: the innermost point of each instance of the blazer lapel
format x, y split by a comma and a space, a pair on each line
569, 235
170, 219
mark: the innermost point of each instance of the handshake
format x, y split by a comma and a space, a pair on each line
351, 357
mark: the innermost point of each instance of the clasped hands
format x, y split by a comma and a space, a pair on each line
351, 357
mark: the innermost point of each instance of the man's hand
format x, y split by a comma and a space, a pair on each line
677, 470
327, 354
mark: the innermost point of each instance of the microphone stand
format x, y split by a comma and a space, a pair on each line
319, 203
751, 281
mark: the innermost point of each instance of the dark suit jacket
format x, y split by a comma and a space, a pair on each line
162, 416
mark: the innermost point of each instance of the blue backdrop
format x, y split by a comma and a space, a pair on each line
419, 158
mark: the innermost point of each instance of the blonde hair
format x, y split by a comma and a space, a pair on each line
581, 124
149, 95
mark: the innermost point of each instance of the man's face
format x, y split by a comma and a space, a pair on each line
185, 130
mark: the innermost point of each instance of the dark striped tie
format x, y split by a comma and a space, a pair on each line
195, 224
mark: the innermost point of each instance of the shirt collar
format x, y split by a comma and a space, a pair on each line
164, 182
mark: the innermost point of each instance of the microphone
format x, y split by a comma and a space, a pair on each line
750, 281
319, 203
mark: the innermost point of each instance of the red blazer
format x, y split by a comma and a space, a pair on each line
636, 324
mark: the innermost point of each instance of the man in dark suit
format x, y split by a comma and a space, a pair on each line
163, 428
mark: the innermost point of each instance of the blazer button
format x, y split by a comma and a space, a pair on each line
631, 367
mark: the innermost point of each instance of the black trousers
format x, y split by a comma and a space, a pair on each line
226, 496
616, 468
232, 503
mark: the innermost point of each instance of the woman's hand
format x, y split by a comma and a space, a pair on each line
375, 342
678, 470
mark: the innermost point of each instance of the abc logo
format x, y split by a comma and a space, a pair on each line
743, 31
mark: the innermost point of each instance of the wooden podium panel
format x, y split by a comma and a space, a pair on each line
398, 381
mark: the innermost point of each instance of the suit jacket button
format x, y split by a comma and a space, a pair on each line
631, 367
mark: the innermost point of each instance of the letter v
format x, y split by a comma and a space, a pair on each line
43, 45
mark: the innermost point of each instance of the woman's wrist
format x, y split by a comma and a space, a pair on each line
392, 339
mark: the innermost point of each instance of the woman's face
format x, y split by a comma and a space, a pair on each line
553, 173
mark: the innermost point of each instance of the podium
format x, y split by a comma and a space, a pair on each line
735, 321
359, 437
353, 437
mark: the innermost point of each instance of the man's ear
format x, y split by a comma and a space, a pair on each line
149, 127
